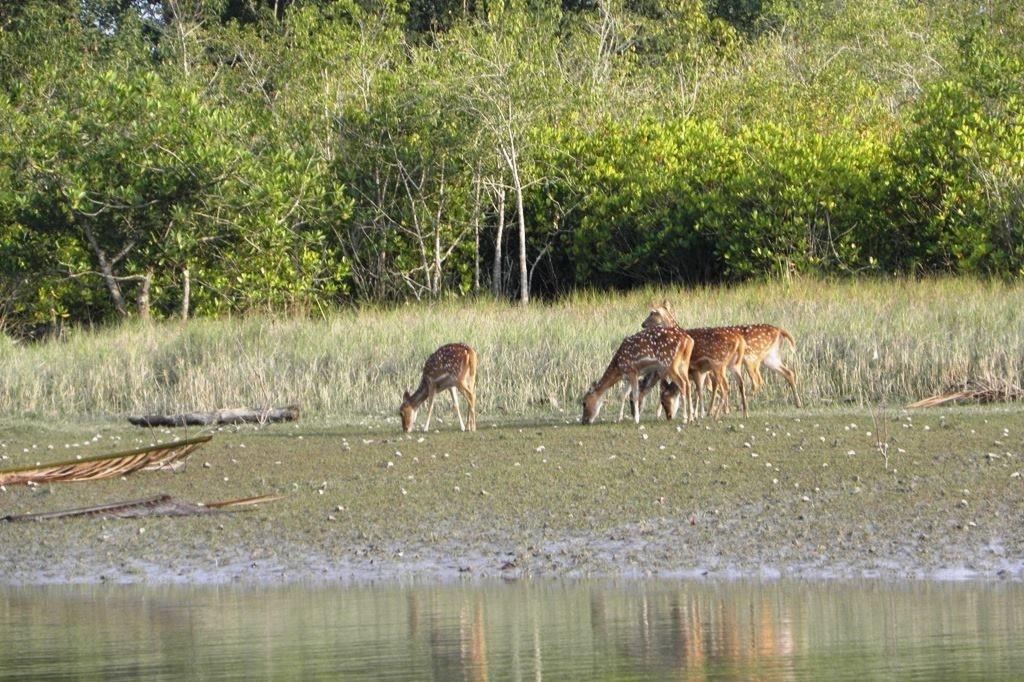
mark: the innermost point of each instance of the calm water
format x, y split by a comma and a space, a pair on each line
523, 630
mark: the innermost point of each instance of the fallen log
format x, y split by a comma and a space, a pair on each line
151, 458
231, 416
161, 505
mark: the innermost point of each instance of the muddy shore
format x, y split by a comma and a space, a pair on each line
779, 494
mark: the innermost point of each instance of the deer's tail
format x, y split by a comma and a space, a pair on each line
788, 337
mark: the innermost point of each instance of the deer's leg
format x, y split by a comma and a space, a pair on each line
430, 407
720, 406
725, 407
470, 393
774, 363
691, 413
641, 391
679, 390
699, 409
458, 412
650, 380
472, 406
760, 378
682, 398
738, 371
628, 398
687, 390
726, 389
790, 376
751, 365
625, 401
719, 393
467, 393
634, 383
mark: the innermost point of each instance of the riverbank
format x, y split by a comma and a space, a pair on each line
788, 493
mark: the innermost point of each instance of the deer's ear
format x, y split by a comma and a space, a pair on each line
666, 305
406, 395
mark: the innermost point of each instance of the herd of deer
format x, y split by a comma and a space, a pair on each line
660, 352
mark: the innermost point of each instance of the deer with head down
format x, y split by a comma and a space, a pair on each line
716, 350
658, 351
450, 367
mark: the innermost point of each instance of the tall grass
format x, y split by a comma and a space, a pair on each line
857, 341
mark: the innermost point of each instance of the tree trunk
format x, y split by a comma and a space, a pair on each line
186, 294
512, 159
524, 281
107, 269
113, 287
436, 286
142, 303
496, 275
476, 232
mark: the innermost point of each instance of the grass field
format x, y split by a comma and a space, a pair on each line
859, 342
790, 492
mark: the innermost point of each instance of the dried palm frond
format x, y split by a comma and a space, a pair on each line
161, 505
149, 458
985, 390
243, 501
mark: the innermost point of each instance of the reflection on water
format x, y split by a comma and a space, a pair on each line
525, 630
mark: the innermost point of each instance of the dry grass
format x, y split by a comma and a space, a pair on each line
858, 342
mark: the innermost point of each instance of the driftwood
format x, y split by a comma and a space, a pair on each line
151, 458
233, 416
161, 505
985, 390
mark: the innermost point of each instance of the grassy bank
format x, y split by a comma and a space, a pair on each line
858, 342
799, 493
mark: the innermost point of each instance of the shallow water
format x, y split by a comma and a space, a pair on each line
625, 630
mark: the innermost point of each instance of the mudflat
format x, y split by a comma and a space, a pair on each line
795, 493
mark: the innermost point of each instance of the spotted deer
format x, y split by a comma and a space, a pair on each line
716, 350
660, 351
450, 367
763, 346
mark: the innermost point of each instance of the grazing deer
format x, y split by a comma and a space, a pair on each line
715, 350
664, 352
451, 367
764, 346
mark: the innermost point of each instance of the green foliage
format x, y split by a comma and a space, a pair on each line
958, 191
691, 203
305, 154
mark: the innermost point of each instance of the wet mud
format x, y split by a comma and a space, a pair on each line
794, 493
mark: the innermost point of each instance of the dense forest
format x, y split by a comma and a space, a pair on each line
164, 158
